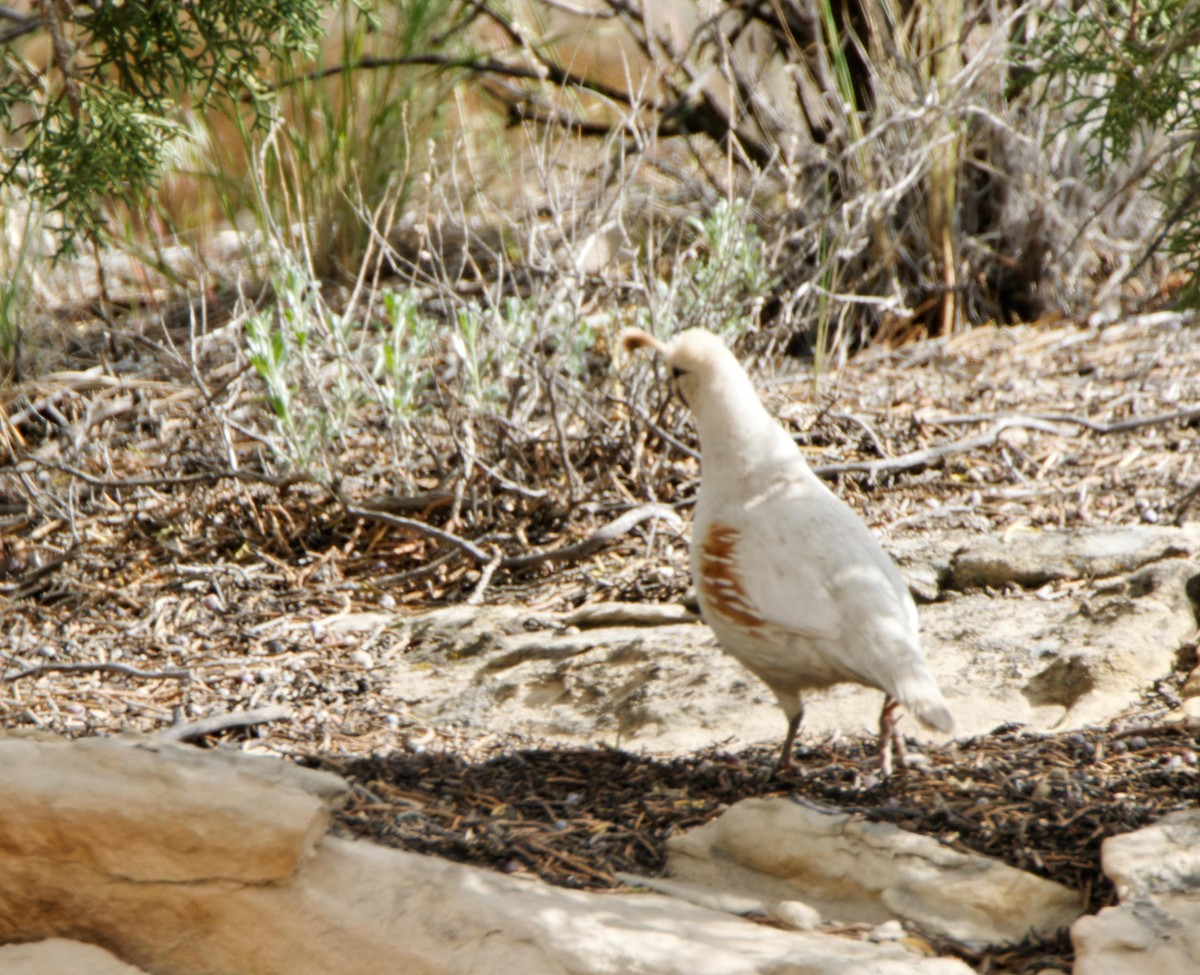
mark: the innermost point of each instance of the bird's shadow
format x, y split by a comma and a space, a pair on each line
576, 817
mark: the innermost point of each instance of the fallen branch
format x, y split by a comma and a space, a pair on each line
485, 580
1046, 422
100, 667
602, 536
865, 427
930, 455
191, 730
206, 477
449, 538
1096, 426
18, 588
568, 553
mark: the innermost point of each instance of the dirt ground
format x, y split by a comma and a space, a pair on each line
155, 573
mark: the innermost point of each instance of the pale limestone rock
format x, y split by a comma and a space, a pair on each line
1156, 927
1065, 662
851, 870
1119, 645
629, 614
61, 957
1033, 558
110, 804
664, 687
1064, 657
346, 908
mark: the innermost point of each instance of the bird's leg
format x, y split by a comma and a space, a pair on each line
890, 741
785, 756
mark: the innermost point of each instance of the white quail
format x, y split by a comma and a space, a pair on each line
790, 579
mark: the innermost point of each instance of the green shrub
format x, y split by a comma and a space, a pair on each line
1126, 75
100, 119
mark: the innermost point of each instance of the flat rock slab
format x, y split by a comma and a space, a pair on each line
851, 870
1070, 654
1156, 927
1033, 558
195, 811
58, 956
344, 907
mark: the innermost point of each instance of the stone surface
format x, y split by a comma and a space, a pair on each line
852, 870
1063, 662
61, 957
661, 687
346, 908
1156, 927
109, 805
1072, 653
1034, 558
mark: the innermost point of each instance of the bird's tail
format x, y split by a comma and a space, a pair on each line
921, 697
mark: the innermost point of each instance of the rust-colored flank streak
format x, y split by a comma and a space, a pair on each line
721, 582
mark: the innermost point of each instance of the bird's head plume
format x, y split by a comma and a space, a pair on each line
736, 431
698, 360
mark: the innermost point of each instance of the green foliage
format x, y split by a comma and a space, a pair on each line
14, 291
400, 368
101, 120
276, 344
470, 342
357, 120
723, 277
1129, 68
326, 374
729, 264
1131, 74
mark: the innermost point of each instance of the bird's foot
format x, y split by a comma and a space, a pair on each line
891, 743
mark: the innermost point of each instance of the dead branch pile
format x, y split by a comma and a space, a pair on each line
906, 178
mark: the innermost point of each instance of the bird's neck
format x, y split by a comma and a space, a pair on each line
736, 431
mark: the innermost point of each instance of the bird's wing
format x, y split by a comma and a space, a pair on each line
799, 559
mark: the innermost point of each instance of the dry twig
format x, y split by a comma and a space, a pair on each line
599, 538
106, 667
1185, 415
191, 730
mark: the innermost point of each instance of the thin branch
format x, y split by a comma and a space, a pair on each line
191, 730
100, 667
930, 455
524, 107
370, 62
1030, 419
17, 588
655, 428
485, 579
206, 477
28, 27
865, 427
550, 72
602, 536
411, 524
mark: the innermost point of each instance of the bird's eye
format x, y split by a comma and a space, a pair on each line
676, 372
